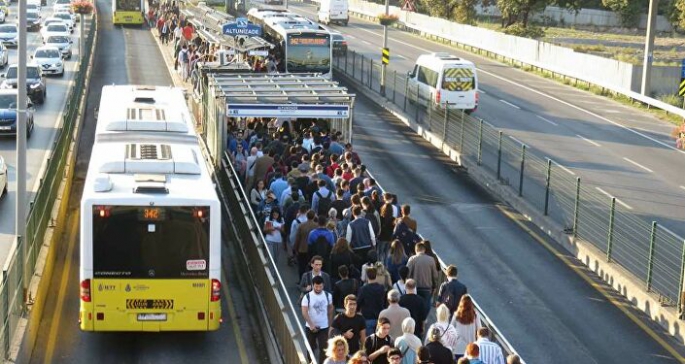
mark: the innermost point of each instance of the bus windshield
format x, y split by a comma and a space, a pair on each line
128, 5
150, 242
308, 53
458, 79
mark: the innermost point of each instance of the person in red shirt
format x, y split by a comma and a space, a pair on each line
188, 32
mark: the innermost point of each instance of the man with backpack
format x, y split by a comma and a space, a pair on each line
322, 199
321, 240
317, 310
450, 291
184, 62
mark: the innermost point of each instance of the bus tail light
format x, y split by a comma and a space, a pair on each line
216, 290
437, 97
199, 213
85, 290
103, 211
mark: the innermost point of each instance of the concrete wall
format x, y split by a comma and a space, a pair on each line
665, 79
583, 17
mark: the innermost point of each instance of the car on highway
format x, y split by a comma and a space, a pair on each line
33, 7
4, 56
5, 7
61, 4
8, 114
66, 18
3, 17
3, 177
339, 44
33, 20
50, 60
36, 86
51, 20
9, 34
63, 43
55, 29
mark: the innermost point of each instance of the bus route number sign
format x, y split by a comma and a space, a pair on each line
151, 214
308, 41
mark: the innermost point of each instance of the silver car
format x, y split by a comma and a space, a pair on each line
3, 177
62, 42
4, 56
9, 34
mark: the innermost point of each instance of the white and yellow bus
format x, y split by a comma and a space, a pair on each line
150, 219
128, 12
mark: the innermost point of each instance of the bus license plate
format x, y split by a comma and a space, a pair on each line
151, 317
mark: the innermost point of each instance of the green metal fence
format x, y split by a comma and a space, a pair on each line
644, 248
11, 287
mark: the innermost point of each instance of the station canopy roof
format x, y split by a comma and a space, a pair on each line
262, 88
208, 26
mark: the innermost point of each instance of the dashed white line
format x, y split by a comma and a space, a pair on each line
547, 120
516, 140
683, 187
363, 41
483, 92
617, 200
588, 140
638, 165
510, 104
564, 168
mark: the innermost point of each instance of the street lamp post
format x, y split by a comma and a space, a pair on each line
22, 102
385, 45
645, 88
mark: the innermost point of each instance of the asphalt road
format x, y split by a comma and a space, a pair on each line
548, 312
627, 153
130, 55
46, 118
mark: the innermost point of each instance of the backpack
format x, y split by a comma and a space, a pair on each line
341, 226
184, 57
321, 247
406, 236
324, 203
329, 297
448, 297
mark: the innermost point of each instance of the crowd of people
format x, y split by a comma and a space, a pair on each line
367, 280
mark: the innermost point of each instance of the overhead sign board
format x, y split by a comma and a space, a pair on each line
288, 110
241, 27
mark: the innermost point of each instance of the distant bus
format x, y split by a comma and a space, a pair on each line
150, 257
128, 12
303, 46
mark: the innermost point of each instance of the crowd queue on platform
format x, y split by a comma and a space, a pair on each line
367, 279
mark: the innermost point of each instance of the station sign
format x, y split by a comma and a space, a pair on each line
241, 27
288, 110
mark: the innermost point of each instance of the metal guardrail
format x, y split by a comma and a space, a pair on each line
454, 39
283, 318
646, 249
11, 287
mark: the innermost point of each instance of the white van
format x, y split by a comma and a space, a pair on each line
333, 11
443, 80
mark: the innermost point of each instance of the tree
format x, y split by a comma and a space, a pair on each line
628, 10
518, 11
463, 11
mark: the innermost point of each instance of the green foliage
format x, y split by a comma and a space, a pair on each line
673, 100
678, 15
519, 30
628, 10
462, 11
518, 11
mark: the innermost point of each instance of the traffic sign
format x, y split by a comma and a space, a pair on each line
241, 27
385, 57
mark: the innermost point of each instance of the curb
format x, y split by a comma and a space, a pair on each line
26, 335
612, 274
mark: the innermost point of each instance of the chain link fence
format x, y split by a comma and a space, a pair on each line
649, 251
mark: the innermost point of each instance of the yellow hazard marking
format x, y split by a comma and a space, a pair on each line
518, 219
458, 79
385, 57
681, 89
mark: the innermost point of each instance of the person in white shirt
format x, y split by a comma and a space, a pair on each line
317, 310
490, 353
273, 225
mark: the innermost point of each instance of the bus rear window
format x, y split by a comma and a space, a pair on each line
458, 79
151, 242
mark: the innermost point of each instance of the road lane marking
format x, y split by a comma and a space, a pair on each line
482, 91
547, 120
683, 187
64, 280
516, 140
517, 218
365, 42
562, 167
588, 140
638, 164
510, 104
612, 196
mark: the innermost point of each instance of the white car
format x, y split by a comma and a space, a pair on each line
49, 59
3, 177
4, 56
51, 20
62, 43
3, 16
9, 34
66, 18
55, 29
61, 4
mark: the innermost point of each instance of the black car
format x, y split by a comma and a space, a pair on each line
339, 44
8, 114
32, 21
35, 82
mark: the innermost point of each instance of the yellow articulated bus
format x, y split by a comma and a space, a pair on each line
150, 219
128, 12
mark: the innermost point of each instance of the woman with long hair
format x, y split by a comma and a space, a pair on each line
257, 195
466, 321
408, 343
359, 357
337, 350
448, 334
395, 260
430, 252
342, 254
273, 227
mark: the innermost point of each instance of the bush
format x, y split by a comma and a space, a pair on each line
673, 100
519, 30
